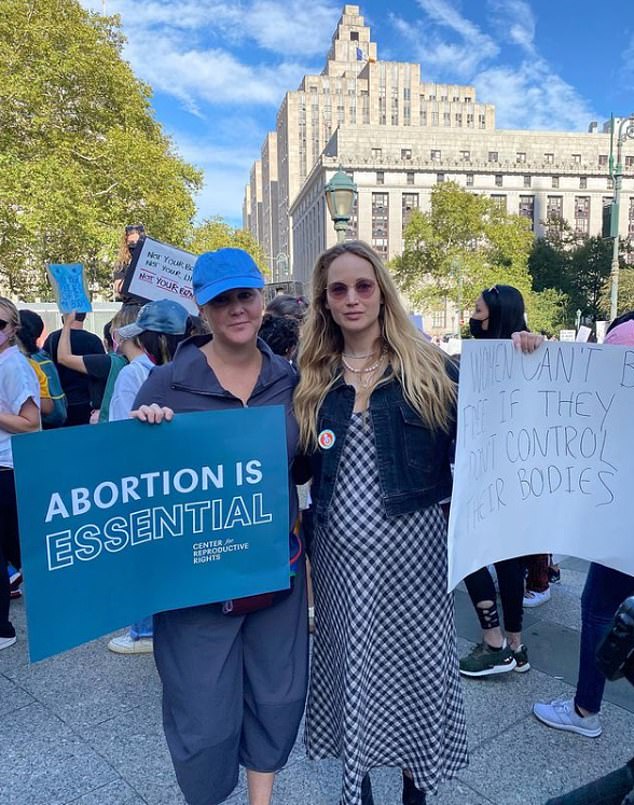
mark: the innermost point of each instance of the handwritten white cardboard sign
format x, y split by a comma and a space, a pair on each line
545, 455
163, 272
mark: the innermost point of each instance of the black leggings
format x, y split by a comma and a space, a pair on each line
9, 546
510, 575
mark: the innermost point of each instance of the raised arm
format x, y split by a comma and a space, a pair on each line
64, 350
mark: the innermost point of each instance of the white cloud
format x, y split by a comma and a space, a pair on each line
459, 57
515, 19
528, 93
292, 28
532, 96
208, 75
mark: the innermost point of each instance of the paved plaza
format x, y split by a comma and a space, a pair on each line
85, 727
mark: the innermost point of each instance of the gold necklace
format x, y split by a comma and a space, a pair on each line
365, 370
365, 375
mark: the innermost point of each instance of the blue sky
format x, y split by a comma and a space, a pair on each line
219, 70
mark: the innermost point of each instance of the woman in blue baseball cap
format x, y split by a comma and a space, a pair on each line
234, 677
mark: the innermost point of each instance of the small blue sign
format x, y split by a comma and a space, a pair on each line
117, 524
69, 283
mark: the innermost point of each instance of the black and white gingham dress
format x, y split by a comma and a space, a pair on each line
384, 689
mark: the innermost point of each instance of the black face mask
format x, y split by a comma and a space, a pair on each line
475, 328
132, 247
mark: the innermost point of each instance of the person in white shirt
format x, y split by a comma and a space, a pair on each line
149, 341
19, 413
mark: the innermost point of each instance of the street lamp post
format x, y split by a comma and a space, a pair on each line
340, 192
625, 131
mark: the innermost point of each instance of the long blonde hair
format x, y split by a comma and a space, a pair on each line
419, 366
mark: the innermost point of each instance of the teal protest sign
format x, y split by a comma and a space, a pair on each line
69, 284
122, 520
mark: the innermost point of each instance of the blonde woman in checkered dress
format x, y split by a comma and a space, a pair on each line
376, 408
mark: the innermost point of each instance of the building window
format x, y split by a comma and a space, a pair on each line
377, 154
527, 181
423, 117
352, 232
380, 177
434, 118
456, 99
499, 200
582, 214
446, 118
498, 180
470, 122
583, 182
440, 178
630, 219
576, 158
465, 156
365, 106
459, 120
482, 121
554, 208
406, 153
555, 182
409, 204
549, 159
629, 162
527, 208
436, 155
380, 219
354, 36
439, 319
493, 156
409, 177
469, 180
603, 160
521, 156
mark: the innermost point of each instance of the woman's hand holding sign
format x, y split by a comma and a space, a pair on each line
527, 342
152, 414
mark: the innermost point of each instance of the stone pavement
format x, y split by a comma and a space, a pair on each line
85, 727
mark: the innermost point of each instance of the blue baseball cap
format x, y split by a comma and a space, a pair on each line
224, 270
162, 316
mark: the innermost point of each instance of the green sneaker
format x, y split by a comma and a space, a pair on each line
521, 660
485, 661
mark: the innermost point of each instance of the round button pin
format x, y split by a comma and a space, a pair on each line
326, 439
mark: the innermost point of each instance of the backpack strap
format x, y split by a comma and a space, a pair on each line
117, 362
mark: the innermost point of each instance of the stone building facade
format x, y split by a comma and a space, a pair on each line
398, 136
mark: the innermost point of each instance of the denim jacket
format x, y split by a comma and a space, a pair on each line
413, 461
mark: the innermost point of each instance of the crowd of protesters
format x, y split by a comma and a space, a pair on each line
371, 416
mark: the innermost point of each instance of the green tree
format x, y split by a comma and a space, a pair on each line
80, 151
626, 291
466, 243
216, 233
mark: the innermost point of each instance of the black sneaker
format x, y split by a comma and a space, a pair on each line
554, 575
484, 660
521, 660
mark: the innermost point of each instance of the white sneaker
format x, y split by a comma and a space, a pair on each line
5, 642
535, 599
125, 644
561, 715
